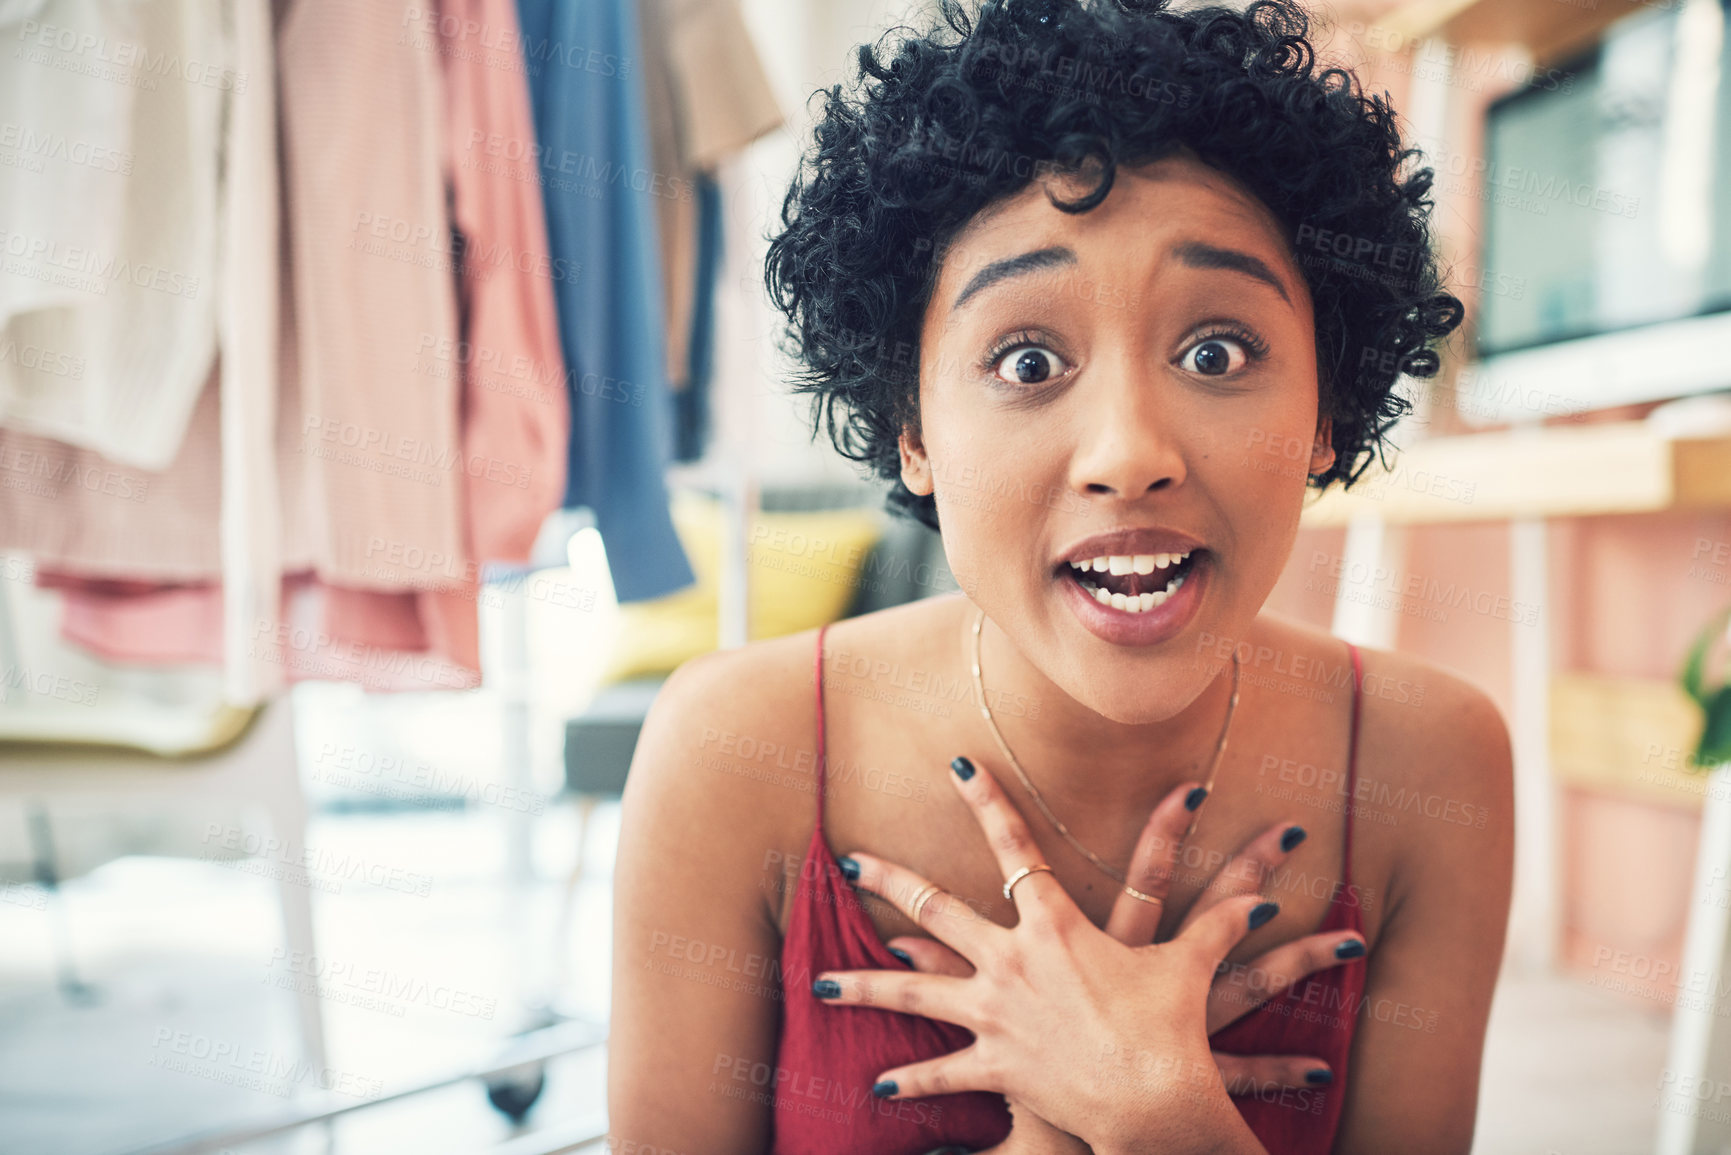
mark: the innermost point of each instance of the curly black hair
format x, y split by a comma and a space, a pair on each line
948, 124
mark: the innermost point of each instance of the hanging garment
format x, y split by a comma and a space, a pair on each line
516, 413
142, 558
376, 438
708, 98
74, 509
383, 641
111, 116
724, 92
586, 85
675, 216
250, 534
691, 404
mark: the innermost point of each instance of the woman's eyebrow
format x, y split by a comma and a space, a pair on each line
1198, 255
1013, 266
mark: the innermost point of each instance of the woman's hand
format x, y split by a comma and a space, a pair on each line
1238, 989
1104, 1040
1029, 1135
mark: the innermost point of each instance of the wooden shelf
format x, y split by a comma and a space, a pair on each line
1626, 736
1553, 471
1550, 29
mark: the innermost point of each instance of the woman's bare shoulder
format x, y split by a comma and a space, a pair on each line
1447, 732
1430, 720
1434, 796
731, 733
734, 732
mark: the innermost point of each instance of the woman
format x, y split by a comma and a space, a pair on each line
1059, 274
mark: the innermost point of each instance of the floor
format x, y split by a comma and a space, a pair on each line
189, 1025
1569, 1070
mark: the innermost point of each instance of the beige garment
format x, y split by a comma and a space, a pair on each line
725, 97
374, 316
707, 98
79, 511
111, 122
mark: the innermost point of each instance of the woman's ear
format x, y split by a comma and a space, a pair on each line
916, 469
1322, 449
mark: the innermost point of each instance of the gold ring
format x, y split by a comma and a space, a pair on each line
1010, 883
1134, 893
922, 898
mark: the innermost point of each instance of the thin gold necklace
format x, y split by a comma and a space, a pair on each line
1111, 871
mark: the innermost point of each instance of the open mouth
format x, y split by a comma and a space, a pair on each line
1134, 583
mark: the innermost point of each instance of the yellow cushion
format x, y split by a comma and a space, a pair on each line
804, 570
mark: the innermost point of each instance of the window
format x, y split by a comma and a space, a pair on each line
1608, 195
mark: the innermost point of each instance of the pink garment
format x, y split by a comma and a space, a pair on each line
74, 509
372, 293
516, 411
404, 453
383, 641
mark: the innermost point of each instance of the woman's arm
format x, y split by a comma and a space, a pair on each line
1414, 1073
695, 1010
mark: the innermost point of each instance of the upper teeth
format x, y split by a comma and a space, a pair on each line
1142, 563
1120, 563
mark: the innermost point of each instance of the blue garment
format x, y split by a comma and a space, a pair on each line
691, 404
591, 124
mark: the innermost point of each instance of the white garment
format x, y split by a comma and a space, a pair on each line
111, 121
251, 502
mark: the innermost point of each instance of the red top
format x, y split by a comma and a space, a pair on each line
829, 1055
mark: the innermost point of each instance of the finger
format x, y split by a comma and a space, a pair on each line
1134, 920
1250, 1074
928, 956
1243, 988
1248, 869
908, 992
1224, 926
945, 1075
944, 916
1039, 896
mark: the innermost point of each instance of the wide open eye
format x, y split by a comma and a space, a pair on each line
1215, 357
1028, 365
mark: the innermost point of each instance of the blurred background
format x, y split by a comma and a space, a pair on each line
389, 400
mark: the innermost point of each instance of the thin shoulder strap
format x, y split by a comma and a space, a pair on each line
818, 681
1352, 763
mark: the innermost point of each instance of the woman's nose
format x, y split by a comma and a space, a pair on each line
1126, 441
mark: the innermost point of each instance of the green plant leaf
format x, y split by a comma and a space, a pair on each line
1715, 744
1693, 666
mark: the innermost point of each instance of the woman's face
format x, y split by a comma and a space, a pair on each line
1134, 382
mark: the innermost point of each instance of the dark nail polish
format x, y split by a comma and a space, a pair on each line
1321, 1077
1262, 912
1352, 948
964, 769
849, 868
902, 955
884, 1089
826, 988
1194, 799
1293, 836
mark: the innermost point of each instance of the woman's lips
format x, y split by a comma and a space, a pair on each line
1125, 627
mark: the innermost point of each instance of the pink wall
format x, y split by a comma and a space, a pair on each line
1627, 594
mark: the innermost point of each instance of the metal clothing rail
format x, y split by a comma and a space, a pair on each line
565, 1038
559, 1139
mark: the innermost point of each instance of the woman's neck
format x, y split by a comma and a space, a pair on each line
1076, 756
